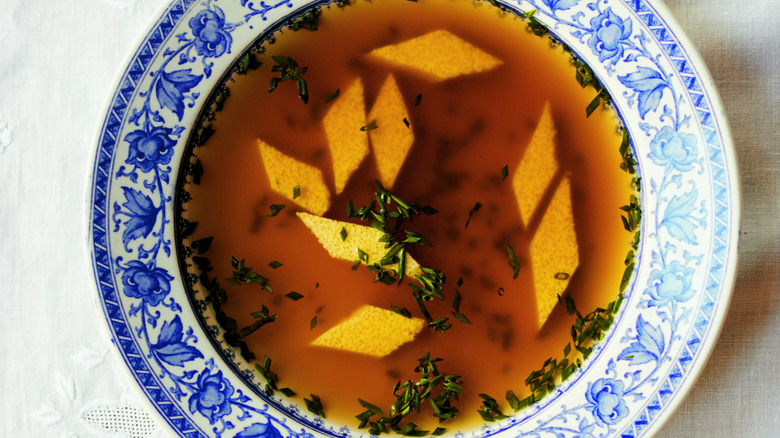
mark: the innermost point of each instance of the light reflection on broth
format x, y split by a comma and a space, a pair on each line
465, 130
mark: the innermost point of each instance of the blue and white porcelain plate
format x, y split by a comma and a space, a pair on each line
674, 306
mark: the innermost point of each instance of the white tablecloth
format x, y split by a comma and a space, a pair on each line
58, 375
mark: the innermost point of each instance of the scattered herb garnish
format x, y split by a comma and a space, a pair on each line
474, 209
313, 322
275, 264
370, 126
289, 71
262, 317
504, 172
501, 291
406, 122
417, 100
243, 274
271, 379
309, 21
535, 25
248, 62
202, 245
513, 263
314, 405
333, 95
296, 191
562, 276
490, 411
343, 233
295, 296
274, 209
410, 397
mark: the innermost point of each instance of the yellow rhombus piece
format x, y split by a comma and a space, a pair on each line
537, 167
392, 139
285, 173
371, 330
365, 238
348, 144
438, 54
554, 252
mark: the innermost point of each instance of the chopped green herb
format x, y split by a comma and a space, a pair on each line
243, 274
309, 21
271, 379
275, 209
406, 122
475, 209
289, 70
513, 263
248, 62
401, 311
287, 392
410, 397
504, 172
490, 411
501, 291
295, 296
317, 285
333, 95
417, 100
370, 126
275, 264
314, 405
562, 276
343, 233
262, 318
202, 245
535, 25
313, 322
296, 191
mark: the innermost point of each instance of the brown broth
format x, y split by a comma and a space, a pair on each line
466, 130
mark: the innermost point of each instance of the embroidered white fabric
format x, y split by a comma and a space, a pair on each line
58, 373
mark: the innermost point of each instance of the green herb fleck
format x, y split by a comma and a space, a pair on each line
504, 172
417, 100
513, 263
475, 209
314, 405
296, 191
406, 122
295, 296
313, 322
289, 70
275, 209
333, 95
370, 126
343, 233
243, 274
275, 264
309, 21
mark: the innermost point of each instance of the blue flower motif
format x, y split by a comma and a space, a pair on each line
146, 282
148, 149
212, 397
609, 32
670, 283
606, 400
211, 36
677, 149
259, 430
560, 5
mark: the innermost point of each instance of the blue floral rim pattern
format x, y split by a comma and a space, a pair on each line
674, 306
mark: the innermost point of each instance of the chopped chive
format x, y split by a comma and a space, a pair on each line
314, 405
504, 172
417, 99
343, 233
313, 322
275, 209
295, 296
296, 191
370, 126
287, 392
406, 122
501, 291
332, 95
362, 255
274, 264
475, 209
